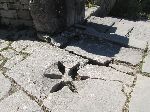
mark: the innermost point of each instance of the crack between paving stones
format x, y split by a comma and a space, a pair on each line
146, 50
129, 32
34, 98
128, 95
128, 73
13, 82
91, 61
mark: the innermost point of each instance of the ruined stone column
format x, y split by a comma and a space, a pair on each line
52, 16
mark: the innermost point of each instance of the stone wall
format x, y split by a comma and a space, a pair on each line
15, 12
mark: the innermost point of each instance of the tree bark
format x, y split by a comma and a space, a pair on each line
53, 16
105, 6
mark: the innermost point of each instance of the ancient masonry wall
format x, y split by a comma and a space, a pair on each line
15, 12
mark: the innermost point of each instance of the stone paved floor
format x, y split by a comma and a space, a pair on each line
105, 69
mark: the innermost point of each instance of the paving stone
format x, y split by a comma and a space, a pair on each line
123, 40
13, 61
141, 31
99, 51
19, 102
123, 68
120, 33
140, 99
9, 53
1, 61
102, 51
102, 24
129, 55
146, 64
90, 11
106, 73
3, 44
122, 28
92, 96
29, 73
5, 86
22, 44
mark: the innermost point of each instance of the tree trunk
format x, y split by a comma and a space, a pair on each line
53, 16
105, 6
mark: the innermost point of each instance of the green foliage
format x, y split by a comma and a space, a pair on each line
145, 4
90, 3
131, 9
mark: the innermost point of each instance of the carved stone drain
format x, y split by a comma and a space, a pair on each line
58, 71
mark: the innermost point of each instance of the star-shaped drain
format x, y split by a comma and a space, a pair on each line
66, 76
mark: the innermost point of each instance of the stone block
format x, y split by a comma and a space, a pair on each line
146, 64
105, 73
5, 86
29, 73
9, 14
93, 96
24, 14
20, 102
140, 99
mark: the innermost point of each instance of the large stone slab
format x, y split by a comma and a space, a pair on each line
146, 64
92, 96
13, 61
123, 68
29, 73
19, 102
141, 32
99, 51
102, 24
140, 99
3, 44
122, 28
103, 51
5, 86
118, 31
129, 55
106, 73
9, 53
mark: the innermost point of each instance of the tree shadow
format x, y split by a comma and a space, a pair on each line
98, 41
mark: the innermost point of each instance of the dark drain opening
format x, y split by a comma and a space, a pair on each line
57, 87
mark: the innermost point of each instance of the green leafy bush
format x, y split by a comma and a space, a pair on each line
132, 9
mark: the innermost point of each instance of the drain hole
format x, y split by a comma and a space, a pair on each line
73, 71
57, 87
84, 77
71, 86
61, 67
53, 76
